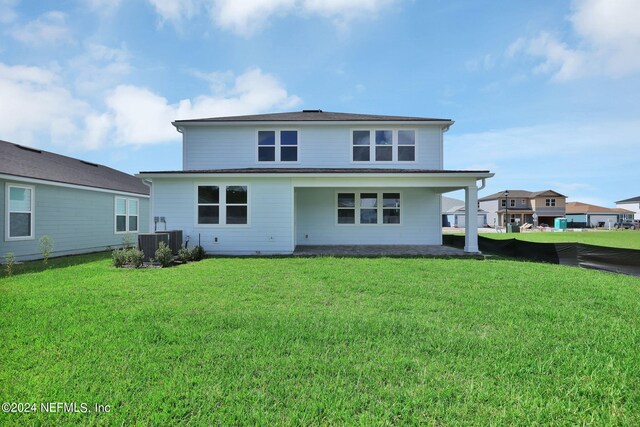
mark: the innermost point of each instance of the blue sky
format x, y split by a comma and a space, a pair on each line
545, 94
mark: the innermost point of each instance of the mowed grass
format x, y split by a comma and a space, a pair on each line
323, 341
629, 239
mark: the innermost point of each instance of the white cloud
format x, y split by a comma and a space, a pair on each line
141, 116
7, 12
608, 42
100, 67
48, 28
103, 6
247, 17
33, 102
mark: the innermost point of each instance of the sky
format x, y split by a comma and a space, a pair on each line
545, 94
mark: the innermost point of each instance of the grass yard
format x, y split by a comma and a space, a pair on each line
318, 341
629, 239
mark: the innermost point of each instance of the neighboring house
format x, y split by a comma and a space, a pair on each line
580, 214
82, 206
523, 207
632, 204
264, 184
453, 213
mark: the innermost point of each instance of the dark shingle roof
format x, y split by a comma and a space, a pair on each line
631, 200
521, 194
313, 171
29, 162
313, 116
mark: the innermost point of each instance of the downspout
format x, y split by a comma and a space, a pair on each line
149, 184
484, 184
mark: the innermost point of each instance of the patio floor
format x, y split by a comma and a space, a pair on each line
427, 251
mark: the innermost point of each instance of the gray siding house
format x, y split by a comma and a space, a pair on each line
453, 214
533, 207
632, 204
82, 206
267, 183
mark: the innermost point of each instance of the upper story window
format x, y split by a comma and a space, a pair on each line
383, 145
550, 202
224, 204
503, 203
20, 207
127, 213
277, 146
512, 203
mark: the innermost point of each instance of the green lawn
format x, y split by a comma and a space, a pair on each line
322, 341
616, 238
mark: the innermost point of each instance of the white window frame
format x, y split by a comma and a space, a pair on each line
222, 203
127, 227
512, 203
503, 203
380, 208
7, 236
278, 147
394, 145
550, 203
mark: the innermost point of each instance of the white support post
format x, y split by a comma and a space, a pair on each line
471, 219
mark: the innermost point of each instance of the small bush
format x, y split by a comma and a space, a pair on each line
46, 248
134, 257
164, 255
184, 254
131, 257
197, 253
128, 240
9, 263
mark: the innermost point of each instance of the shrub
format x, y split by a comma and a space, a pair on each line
164, 255
9, 263
46, 248
184, 254
128, 240
127, 257
197, 253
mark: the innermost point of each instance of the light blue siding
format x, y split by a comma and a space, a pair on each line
270, 228
77, 220
316, 221
225, 147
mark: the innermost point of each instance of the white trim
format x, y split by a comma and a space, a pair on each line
222, 203
7, 211
394, 147
386, 176
127, 214
65, 185
357, 208
277, 147
443, 124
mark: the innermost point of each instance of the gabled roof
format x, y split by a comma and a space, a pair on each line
521, 194
27, 162
312, 116
583, 208
631, 200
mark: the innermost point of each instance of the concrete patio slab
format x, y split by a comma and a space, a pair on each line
426, 251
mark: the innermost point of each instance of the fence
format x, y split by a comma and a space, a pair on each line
617, 260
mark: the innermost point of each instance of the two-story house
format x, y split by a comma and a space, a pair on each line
632, 204
524, 207
266, 183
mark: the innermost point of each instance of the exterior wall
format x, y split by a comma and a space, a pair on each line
460, 220
606, 218
491, 207
270, 215
228, 147
635, 207
78, 221
538, 205
316, 219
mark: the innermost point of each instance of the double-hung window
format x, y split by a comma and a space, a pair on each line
512, 203
368, 208
277, 146
127, 213
383, 145
550, 202
20, 207
222, 204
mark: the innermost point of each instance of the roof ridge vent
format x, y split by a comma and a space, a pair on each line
34, 150
89, 163
312, 111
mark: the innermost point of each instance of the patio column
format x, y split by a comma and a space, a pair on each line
471, 219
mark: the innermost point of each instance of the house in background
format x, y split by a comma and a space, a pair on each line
521, 206
267, 183
632, 204
580, 215
82, 206
453, 213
